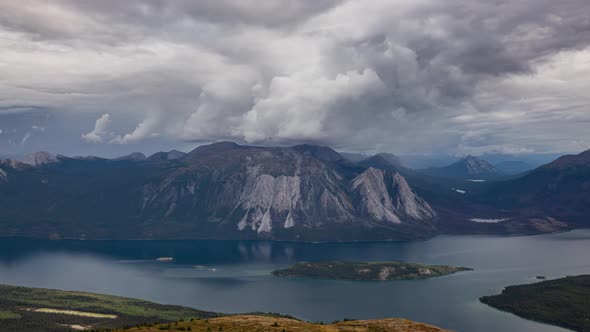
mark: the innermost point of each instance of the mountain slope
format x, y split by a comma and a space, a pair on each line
560, 189
26, 309
469, 167
269, 323
221, 190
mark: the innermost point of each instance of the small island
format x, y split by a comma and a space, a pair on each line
564, 302
367, 271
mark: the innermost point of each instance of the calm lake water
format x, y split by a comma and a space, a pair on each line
234, 276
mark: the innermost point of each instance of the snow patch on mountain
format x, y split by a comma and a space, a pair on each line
488, 221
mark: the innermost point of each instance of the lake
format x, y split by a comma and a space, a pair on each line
234, 276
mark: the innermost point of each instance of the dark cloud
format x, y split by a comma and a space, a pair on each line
401, 76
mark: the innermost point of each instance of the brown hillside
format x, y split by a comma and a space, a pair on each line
245, 323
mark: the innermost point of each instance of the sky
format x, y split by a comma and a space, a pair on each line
86, 77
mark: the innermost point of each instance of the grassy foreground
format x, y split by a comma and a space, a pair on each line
367, 271
37, 309
564, 302
244, 323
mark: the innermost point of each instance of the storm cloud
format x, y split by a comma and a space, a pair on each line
458, 76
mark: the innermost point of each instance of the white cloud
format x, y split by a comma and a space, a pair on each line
99, 133
297, 106
401, 75
143, 130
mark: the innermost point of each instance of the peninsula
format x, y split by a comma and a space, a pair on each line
564, 302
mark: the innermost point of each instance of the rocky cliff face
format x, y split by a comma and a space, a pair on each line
226, 190
387, 197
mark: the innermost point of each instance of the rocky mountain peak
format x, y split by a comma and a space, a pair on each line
467, 168
474, 166
40, 158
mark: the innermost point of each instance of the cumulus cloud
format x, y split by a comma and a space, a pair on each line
100, 131
460, 76
143, 130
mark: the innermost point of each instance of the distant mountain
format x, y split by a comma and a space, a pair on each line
39, 158
165, 156
135, 156
222, 190
82, 157
533, 159
511, 167
469, 167
385, 161
560, 189
354, 157
428, 161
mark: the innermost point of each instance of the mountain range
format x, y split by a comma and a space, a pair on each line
299, 193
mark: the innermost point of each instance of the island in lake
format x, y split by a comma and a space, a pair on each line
367, 271
564, 302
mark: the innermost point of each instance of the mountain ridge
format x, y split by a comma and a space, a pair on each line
298, 193
218, 190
